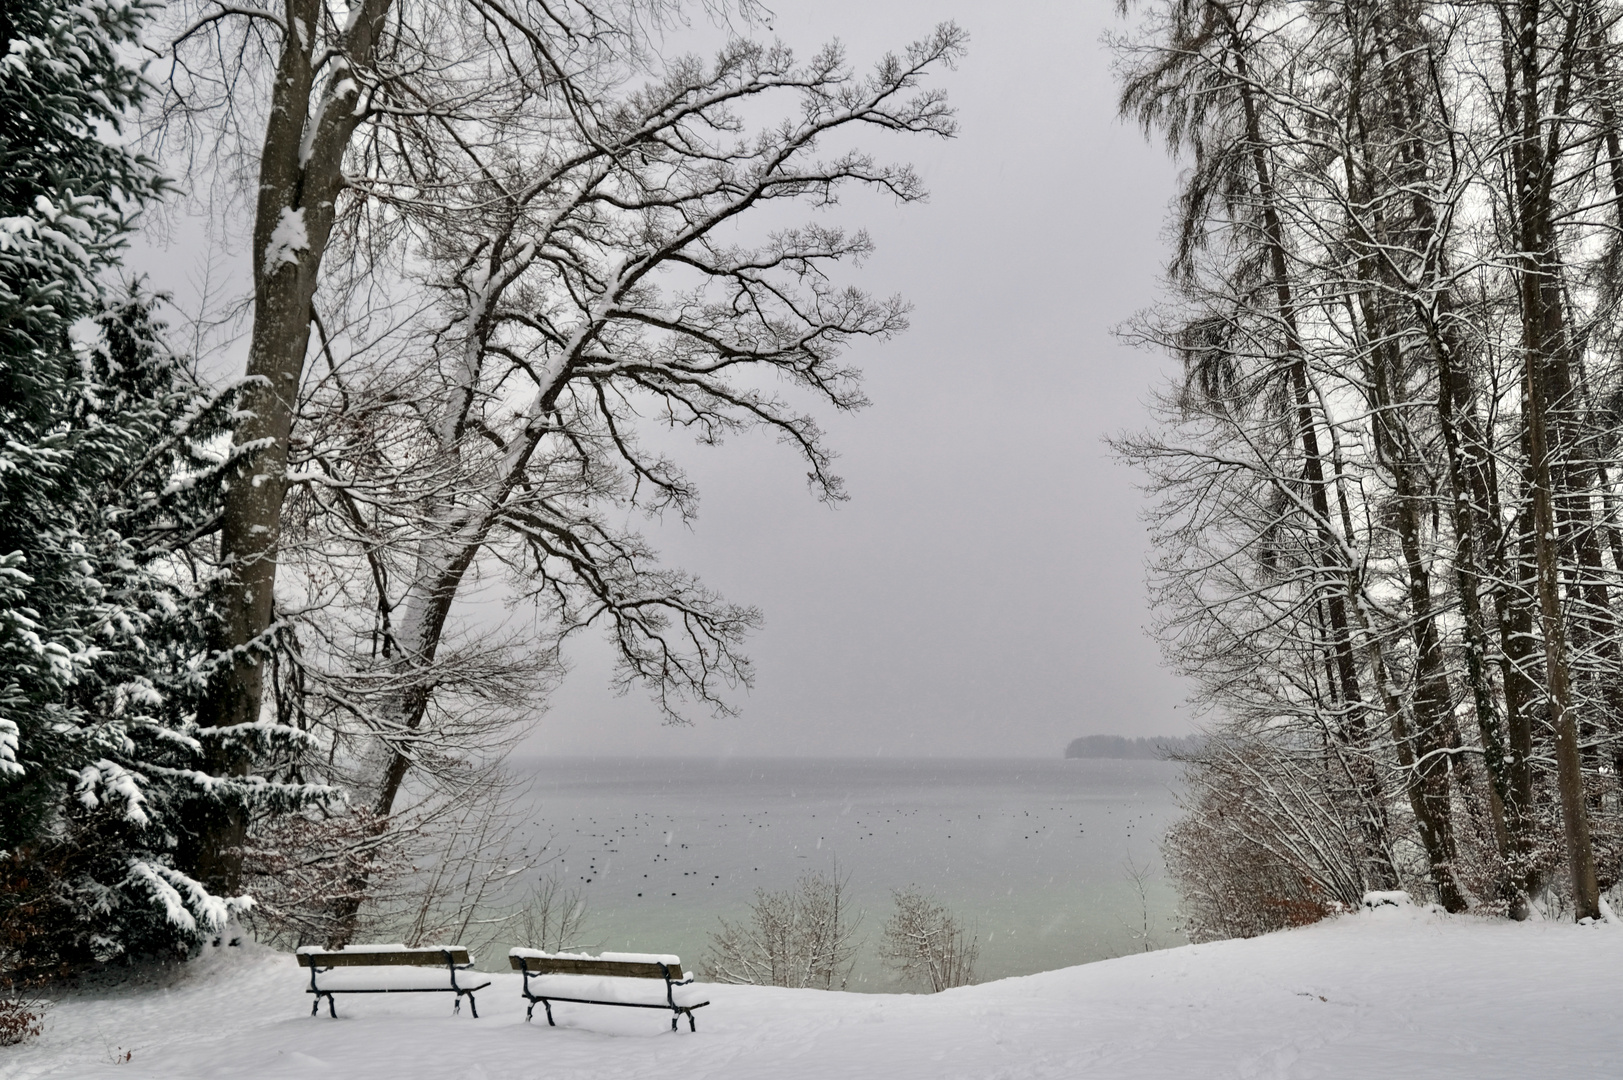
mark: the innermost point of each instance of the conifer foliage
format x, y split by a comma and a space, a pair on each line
109, 452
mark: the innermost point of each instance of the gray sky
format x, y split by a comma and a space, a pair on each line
982, 592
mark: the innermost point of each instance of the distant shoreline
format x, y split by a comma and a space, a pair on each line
1121, 748
522, 757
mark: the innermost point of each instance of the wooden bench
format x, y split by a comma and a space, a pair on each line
449, 958
579, 978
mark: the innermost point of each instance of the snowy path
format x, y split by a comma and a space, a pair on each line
1392, 993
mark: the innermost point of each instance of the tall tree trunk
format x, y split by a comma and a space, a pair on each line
1433, 702
1601, 51
1544, 341
300, 179
442, 561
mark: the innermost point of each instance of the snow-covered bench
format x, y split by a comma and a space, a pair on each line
609, 979
410, 972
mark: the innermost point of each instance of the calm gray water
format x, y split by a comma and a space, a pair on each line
1031, 852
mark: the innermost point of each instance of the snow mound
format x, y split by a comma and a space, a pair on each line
1392, 990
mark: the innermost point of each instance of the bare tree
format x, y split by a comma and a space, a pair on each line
925, 943
1139, 877
506, 254
451, 866
802, 937
554, 918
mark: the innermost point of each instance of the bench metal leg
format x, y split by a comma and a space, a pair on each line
450, 962
315, 1006
670, 999
548, 1006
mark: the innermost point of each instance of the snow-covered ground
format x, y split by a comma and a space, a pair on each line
1394, 992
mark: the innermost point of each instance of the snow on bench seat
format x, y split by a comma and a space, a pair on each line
382, 955
668, 959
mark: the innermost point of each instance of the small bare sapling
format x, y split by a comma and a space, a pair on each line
925, 943
1139, 876
554, 918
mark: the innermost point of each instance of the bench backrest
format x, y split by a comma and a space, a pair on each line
361, 957
563, 965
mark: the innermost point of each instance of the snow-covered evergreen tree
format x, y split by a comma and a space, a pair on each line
109, 464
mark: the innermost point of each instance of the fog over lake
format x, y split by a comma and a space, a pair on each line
1032, 853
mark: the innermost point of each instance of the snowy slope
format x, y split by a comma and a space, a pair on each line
1395, 992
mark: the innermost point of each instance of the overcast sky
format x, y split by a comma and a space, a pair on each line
982, 592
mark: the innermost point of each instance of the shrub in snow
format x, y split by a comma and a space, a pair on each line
803, 937
925, 943
1251, 856
108, 490
20, 1021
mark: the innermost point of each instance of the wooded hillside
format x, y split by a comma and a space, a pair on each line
1387, 481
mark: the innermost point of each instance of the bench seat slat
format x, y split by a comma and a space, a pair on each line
557, 965
402, 990
386, 958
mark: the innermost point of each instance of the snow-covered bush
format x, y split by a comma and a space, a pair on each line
801, 937
1257, 849
925, 943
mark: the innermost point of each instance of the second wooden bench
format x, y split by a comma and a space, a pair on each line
605, 980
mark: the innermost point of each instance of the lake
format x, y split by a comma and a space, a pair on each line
1033, 853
